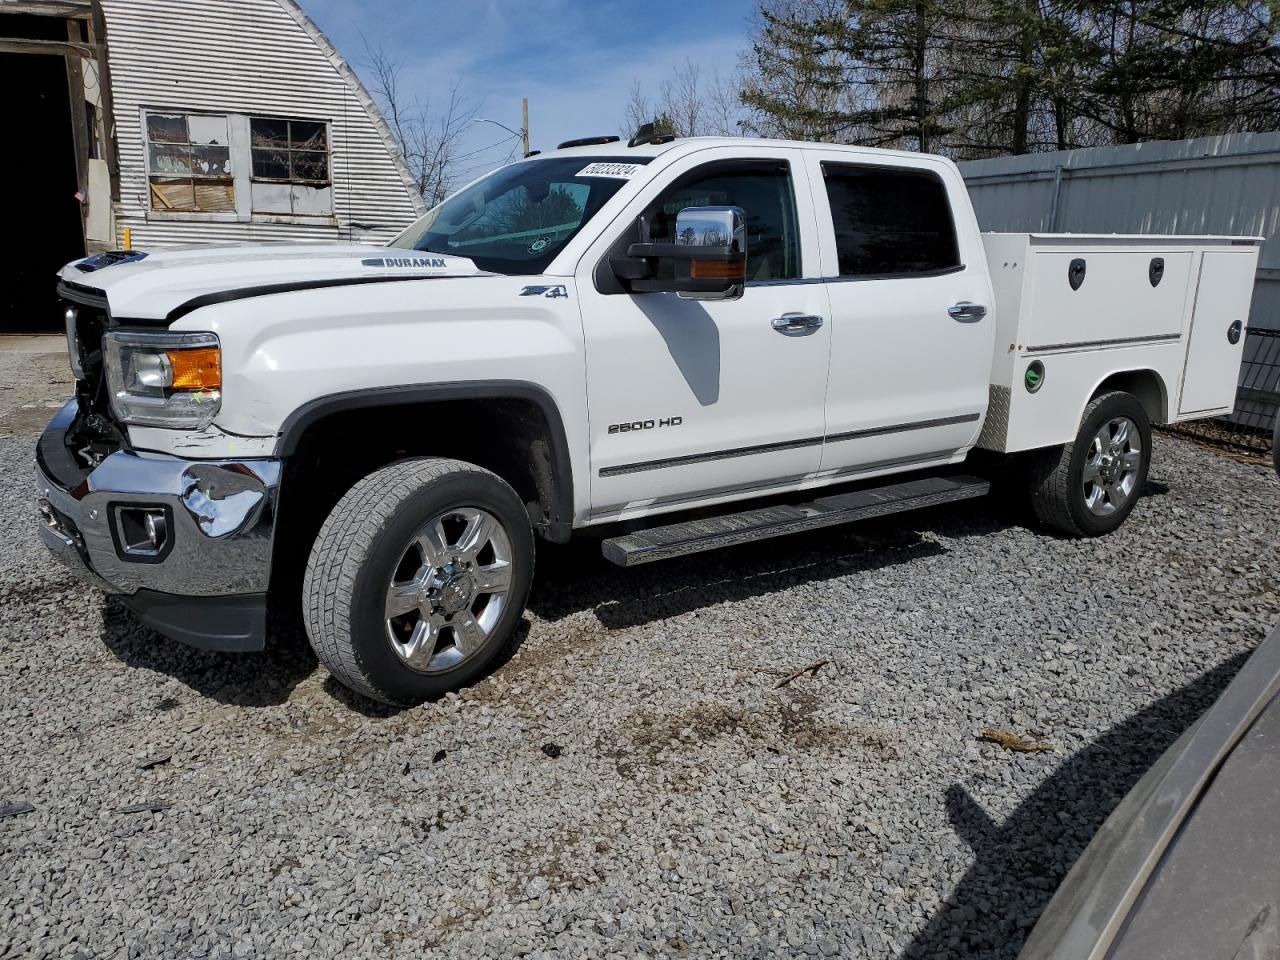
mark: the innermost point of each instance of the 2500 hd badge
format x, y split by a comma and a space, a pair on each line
645, 424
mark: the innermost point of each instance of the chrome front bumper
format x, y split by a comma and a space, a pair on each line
207, 584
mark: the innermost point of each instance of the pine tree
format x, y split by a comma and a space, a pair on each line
975, 78
1170, 69
902, 52
798, 82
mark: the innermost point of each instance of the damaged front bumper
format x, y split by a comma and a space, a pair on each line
186, 543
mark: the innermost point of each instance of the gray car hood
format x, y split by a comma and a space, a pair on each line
1188, 865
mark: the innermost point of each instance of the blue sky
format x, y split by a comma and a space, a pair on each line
574, 60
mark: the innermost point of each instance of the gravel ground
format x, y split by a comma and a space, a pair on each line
633, 782
35, 381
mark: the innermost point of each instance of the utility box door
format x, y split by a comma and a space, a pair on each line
1115, 301
1222, 300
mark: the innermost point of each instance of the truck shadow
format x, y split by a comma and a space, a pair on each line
575, 577
241, 679
692, 339
1020, 862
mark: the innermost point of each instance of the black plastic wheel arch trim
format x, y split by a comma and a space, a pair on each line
557, 529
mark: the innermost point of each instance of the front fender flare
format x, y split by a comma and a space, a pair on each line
561, 507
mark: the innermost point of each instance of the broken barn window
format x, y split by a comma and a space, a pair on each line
291, 167
189, 163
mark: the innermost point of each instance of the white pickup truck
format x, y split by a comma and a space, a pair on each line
677, 344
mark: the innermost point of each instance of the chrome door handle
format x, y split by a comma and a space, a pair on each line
967, 312
792, 324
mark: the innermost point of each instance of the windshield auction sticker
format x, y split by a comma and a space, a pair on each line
620, 171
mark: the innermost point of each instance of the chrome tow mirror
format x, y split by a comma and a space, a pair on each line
708, 260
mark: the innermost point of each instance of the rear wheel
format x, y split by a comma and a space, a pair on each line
1088, 487
1275, 444
418, 579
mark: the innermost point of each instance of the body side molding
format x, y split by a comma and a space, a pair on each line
692, 458
1092, 344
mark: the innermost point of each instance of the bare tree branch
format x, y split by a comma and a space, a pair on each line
429, 141
690, 103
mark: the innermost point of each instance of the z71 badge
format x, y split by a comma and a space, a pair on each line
635, 425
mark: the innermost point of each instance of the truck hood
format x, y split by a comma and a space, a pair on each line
151, 285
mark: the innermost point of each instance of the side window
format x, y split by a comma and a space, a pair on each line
189, 163
290, 164
890, 222
773, 237
195, 161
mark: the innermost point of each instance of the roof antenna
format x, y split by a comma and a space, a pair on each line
644, 135
648, 133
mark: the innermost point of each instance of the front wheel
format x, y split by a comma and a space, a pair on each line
418, 579
1088, 487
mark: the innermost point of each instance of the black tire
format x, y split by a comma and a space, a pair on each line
1058, 479
1275, 445
357, 555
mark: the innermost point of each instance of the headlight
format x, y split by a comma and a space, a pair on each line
164, 379
72, 319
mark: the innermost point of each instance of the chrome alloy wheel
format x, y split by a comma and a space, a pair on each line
449, 589
1111, 466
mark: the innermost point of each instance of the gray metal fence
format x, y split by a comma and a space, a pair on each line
1212, 185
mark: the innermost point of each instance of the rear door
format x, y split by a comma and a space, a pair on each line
911, 325
695, 399
1216, 344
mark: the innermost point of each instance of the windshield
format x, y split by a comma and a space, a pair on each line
519, 217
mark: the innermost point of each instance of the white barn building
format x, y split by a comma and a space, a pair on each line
171, 122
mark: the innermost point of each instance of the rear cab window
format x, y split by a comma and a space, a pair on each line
890, 221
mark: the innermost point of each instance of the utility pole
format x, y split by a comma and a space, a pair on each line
524, 125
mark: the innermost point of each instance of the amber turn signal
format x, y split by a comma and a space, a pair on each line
199, 369
717, 270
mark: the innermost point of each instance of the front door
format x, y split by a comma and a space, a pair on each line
911, 326
692, 400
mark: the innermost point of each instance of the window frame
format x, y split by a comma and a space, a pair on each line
291, 150
192, 178
887, 168
240, 160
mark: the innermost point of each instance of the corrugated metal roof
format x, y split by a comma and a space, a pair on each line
262, 57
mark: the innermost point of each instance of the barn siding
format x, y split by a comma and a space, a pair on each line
258, 57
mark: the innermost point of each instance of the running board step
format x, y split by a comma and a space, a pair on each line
694, 536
